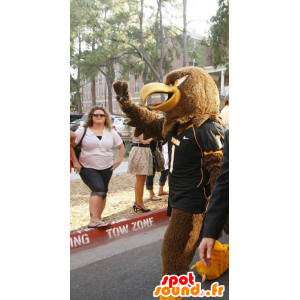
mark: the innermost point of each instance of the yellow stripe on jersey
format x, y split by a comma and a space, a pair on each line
213, 152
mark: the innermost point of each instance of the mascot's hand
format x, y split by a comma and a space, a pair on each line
121, 89
219, 263
146, 122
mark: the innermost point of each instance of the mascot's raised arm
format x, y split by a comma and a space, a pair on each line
195, 138
145, 121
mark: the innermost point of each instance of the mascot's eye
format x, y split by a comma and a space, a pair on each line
179, 81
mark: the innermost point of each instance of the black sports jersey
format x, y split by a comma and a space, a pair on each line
188, 179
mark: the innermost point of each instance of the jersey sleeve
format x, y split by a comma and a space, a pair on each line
211, 136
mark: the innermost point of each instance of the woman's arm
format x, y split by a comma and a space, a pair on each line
121, 151
141, 138
72, 138
76, 163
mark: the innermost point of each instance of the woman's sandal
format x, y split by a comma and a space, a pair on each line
99, 224
163, 193
155, 198
137, 207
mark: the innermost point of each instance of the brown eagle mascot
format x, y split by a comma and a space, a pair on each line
195, 136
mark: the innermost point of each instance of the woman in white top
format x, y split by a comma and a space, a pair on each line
95, 165
225, 113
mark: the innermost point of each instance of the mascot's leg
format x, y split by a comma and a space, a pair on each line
180, 242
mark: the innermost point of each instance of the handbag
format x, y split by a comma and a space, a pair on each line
77, 149
159, 160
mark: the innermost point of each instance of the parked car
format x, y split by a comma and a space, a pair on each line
82, 120
120, 125
74, 125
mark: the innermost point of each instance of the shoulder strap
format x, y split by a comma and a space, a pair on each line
79, 144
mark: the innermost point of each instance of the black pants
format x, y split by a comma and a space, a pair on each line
96, 180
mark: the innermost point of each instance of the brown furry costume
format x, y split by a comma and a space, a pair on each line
193, 109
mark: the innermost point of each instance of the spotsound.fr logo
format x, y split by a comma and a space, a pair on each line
184, 285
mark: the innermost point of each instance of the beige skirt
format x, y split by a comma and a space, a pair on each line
140, 161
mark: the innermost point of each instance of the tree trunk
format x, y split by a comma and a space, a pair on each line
78, 80
93, 81
93, 88
184, 35
162, 43
109, 84
79, 102
145, 73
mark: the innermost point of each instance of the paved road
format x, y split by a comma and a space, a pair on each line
127, 269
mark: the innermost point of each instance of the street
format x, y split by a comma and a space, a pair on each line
126, 269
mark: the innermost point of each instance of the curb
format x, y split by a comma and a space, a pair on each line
119, 229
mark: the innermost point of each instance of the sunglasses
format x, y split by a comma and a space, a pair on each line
98, 115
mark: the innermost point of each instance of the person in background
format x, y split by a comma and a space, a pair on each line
140, 164
225, 112
163, 174
96, 165
72, 141
218, 209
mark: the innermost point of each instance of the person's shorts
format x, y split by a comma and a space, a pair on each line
96, 180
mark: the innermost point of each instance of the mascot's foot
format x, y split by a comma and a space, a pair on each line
170, 298
219, 263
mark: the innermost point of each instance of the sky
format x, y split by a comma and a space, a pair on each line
201, 10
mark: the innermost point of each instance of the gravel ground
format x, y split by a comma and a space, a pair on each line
119, 203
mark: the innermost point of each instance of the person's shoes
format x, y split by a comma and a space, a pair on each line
137, 207
163, 193
98, 224
155, 198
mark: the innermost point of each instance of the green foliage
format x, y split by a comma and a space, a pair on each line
128, 146
219, 35
196, 51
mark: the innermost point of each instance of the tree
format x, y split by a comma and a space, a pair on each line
154, 45
184, 36
219, 35
76, 29
99, 53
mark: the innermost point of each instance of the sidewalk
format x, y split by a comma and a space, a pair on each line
120, 170
119, 229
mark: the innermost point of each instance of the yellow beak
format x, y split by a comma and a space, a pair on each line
155, 87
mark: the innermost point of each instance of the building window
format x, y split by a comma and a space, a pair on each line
136, 87
84, 94
193, 63
114, 106
89, 93
103, 89
98, 91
